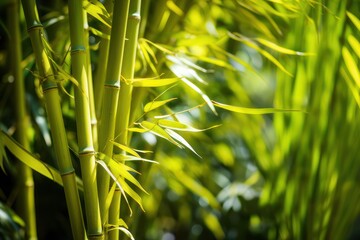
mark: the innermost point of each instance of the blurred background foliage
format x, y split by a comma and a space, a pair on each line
287, 175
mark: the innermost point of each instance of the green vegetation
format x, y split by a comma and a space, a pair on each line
207, 119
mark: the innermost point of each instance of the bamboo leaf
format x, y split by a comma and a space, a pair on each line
280, 49
156, 104
176, 125
158, 131
151, 82
351, 65
98, 11
252, 110
158, 46
132, 193
181, 140
203, 95
123, 229
354, 43
125, 148
119, 169
103, 163
267, 55
109, 197
27, 158
212, 222
125, 158
139, 130
354, 19
196, 187
173, 7
99, 33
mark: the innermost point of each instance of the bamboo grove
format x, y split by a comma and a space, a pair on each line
207, 119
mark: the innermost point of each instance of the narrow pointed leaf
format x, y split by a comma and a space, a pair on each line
176, 125
280, 49
203, 95
151, 82
30, 160
156, 104
173, 7
125, 148
251, 110
181, 140
351, 65
158, 131
261, 51
98, 11
354, 19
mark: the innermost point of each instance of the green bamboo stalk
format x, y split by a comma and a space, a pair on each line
128, 69
111, 94
52, 104
102, 64
90, 81
123, 111
83, 120
26, 199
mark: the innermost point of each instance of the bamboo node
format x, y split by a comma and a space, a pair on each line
35, 26
67, 172
86, 151
112, 84
78, 49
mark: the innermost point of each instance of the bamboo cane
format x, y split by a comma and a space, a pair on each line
123, 112
111, 93
83, 120
52, 104
26, 199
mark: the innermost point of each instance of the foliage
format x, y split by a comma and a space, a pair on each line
207, 119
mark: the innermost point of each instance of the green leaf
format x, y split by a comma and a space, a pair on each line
158, 131
125, 148
203, 95
139, 130
212, 222
280, 49
132, 158
252, 110
174, 8
181, 140
156, 104
99, 33
158, 46
176, 125
351, 65
267, 55
354, 19
103, 163
354, 43
151, 82
98, 11
119, 173
28, 159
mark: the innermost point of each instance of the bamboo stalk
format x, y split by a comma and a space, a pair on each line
90, 81
83, 120
111, 94
26, 199
52, 104
102, 64
123, 111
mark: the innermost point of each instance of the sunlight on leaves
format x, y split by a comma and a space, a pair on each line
156, 104
253, 110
